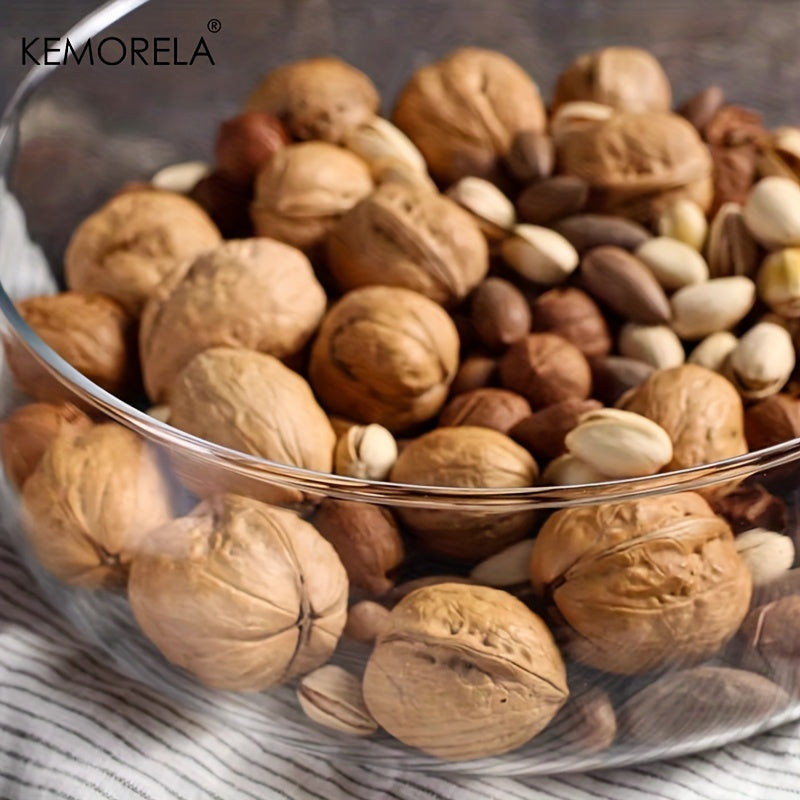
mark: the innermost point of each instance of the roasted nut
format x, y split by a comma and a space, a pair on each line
642, 584
685, 221
767, 554
586, 231
509, 567
502, 687
551, 199
379, 143
464, 111
136, 240
317, 98
227, 203
716, 305
474, 372
772, 421
245, 143
734, 172
762, 361
747, 505
303, 190
674, 263
409, 237
772, 212
332, 696
91, 332
465, 456
571, 313
700, 108
493, 211
658, 345
89, 502
613, 376
365, 451
241, 594
539, 254
498, 409
365, 619
569, 470
713, 351
531, 157
499, 313
181, 177
545, 369
385, 355
366, 540
28, 432
543, 431
627, 78
699, 409
779, 282
241, 291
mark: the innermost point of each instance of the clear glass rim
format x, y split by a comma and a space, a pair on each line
323, 483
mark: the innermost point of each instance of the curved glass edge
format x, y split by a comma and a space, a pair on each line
341, 487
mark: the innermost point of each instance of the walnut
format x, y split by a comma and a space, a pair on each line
385, 355
466, 456
639, 163
464, 111
89, 502
303, 190
136, 240
317, 98
700, 410
236, 295
639, 585
250, 402
406, 236
90, 331
625, 78
241, 594
463, 672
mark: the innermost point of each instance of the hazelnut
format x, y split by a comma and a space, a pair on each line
91, 332
545, 369
241, 291
498, 409
464, 111
28, 432
499, 313
771, 421
385, 355
465, 456
241, 594
226, 202
573, 315
93, 496
639, 585
303, 190
367, 540
317, 98
135, 241
245, 142
406, 236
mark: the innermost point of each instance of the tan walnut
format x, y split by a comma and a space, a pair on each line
463, 672
384, 354
638, 585
464, 111
135, 241
406, 236
93, 496
236, 295
466, 456
241, 594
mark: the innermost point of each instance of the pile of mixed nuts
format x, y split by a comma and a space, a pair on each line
482, 292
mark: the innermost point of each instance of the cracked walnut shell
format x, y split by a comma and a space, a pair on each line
241, 594
463, 672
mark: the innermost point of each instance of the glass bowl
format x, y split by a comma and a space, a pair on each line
73, 134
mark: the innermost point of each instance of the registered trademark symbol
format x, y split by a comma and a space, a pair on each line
214, 25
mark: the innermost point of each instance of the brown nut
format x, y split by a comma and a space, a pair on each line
245, 143
90, 331
585, 231
304, 189
551, 199
386, 355
587, 722
700, 410
641, 584
771, 421
498, 409
546, 369
465, 456
227, 203
531, 157
89, 502
464, 111
317, 98
135, 241
626, 78
572, 314
499, 312
484, 650
475, 372
701, 107
235, 295
614, 376
366, 539
407, 236
748, 505
365, 620
28, 432
241, 594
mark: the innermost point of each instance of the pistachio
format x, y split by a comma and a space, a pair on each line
180, 178
569, 470
486, 202
716, 305
658, 345
365, 451
685, 221
767, 554
540, 254
772, 212
378, 140
506, 568
674, 263
779, 282
762, 361
332, 697
576, 115
731, 248
713, 351
620, 444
